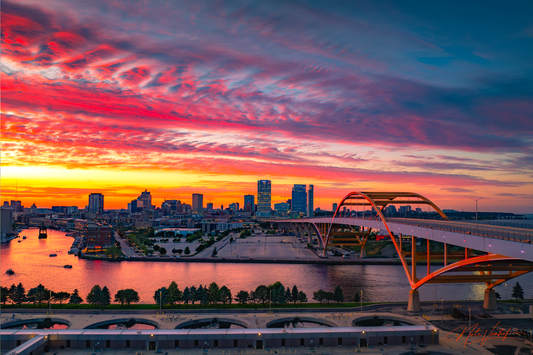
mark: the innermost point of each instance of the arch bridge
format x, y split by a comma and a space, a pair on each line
483, 253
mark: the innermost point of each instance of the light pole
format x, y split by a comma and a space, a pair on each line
361, 301
160, 301
476, 199
270, 302
506, 291
442, 310
469, 317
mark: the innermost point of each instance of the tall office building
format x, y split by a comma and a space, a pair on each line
299, 199
249, 203
197, 203
310, 202
96, 203
146, 199
209, 206
334, 207
264, 198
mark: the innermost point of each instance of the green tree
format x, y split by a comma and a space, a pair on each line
174, 293
302, 297
252, 297
38, 294
162, 251
242, 297
113, 252
60, 296
225, 295
156, 247
4, 294
186, 296
288, 295
127, 296
75, 298
214, 293
94, 295
262, 294
179, 251
357, 297
161, 296
518, 292
338, 295
187, 251
319, 295
105, 297
215, 252
194, 294
294, 294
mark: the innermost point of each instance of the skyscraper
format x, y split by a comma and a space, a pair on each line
146, 199
264, 198
299, 199
96, 203
310, 202
249, 203
209, 206
334, 207
197, 203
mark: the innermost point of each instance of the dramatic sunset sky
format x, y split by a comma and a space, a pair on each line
434, 97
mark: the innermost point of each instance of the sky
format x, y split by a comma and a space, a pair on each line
210, 96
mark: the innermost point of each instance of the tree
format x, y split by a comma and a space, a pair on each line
186, 295
337, 294
187, 251
105, 297
17, 294
518, 292
319, 295
156, 247
262, 294
288, 295
75, 298
161, 296
113, 252
357, 297
94, 295
252, 297
242, 297
214, 293
302, 297
38, 294
60, 296
4, 293
174, 293
294, 294
498, 296
179, 251
194, 294
202, 295
278, 293
225, 295
215, 252
162, 251
127, 296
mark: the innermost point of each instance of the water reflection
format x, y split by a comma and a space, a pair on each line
32, 265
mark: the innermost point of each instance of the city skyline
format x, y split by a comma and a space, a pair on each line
432, 98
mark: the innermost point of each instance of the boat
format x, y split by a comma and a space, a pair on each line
20, 241
10, 272
23, 237
68, 266
52, 255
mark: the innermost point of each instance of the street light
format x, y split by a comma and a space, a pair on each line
442, 309
476, 199
361, 301
506, 291
469, 317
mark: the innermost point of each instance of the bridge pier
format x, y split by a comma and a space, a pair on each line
363, 253
490, 299
414, 301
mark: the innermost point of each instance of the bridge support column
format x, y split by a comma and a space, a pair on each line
490, 299
363, 253
414, 301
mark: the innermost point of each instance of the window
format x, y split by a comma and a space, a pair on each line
385, 340
87, 344
340, 342
176, 344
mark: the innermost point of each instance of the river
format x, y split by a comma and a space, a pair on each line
32, 265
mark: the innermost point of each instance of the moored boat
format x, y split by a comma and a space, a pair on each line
52, 255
